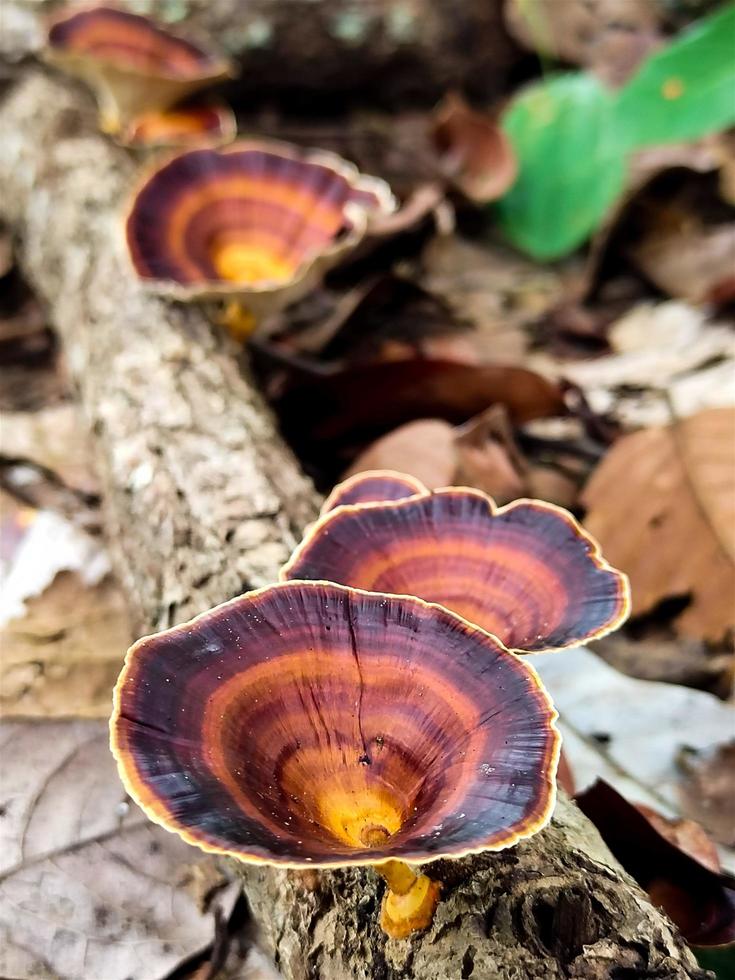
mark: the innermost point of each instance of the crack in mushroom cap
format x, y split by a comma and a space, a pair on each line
527, 572
260, 220
307, 724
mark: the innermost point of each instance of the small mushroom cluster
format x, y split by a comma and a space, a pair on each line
254, 226
372, 707
257, 223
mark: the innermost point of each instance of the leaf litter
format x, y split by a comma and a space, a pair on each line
597, 382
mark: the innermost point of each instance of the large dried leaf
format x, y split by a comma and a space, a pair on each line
49, 545
673, 860
53, 438
424, 449
88, 886
62, 657
708, 791
667, 358
637, 749
326, 414
662, 505
500, 292
63, 622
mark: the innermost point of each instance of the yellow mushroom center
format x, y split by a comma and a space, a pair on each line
361, 816
248, 263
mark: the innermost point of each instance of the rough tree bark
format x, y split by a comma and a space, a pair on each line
204, 501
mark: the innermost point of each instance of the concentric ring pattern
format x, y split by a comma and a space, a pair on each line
131, 43
253, 216
526, 572
372, 486
309, 724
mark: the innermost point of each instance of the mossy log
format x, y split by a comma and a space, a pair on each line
203, 501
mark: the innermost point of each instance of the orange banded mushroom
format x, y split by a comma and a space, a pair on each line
259, 221
307, 724
526, 572
185, 125
131, 63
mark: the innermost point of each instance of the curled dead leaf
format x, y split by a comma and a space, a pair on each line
424, 449
699, 899
474, 153
708, 790
488, 457
329, 414
662, 505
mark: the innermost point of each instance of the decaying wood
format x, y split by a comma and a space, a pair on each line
203, 501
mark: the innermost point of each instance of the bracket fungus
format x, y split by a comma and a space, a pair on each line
182, 126
259, 222
131, 63
311, 725
371, 486
527, 572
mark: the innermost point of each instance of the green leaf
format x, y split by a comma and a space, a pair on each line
571, 164
685, 91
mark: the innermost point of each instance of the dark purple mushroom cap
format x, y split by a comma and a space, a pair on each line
526, 572
132, 43
258, 220
372, 486
132, 64
309, 724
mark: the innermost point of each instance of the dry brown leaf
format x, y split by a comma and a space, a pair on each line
61, 659
689, 836
609, 36
89, 887
497, 290
662, 505
664, 354
54, 438
680, 660
474, 152
708, 791
488, 457
549, 483
424, 449
630, 732
691, 262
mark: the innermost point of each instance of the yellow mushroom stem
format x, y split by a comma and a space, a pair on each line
410, 901
237, 320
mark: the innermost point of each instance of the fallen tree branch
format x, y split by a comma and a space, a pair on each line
203, 501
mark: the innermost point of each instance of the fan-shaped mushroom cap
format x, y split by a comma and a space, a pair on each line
132, 64
260, 221
526, 572
372, 486
309, 724
212, 125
